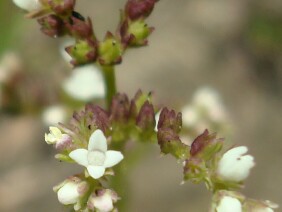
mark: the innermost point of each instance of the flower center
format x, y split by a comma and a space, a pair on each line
96, 158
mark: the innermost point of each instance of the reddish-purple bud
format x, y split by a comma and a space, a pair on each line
52, 25
136, 9
206, 145
120, 108
81, 28
62, 7
97, 117
146, 117
169, 119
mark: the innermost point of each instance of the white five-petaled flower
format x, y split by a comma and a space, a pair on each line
96, 158
235, 165
29, 5
229, 204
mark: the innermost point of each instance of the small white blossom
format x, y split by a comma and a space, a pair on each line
103, 201
58, 138
96, 158
229, 204
71, 190
54, 114
29, 5
85, 83
235, 165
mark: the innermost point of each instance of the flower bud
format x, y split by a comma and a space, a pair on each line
102, 200
206, 145
235, 165
136, 9
71, 191
135, 33
81, 28
110, 50
62, 7
146, 117
120, 108
169, 119
28, 5
52, 25
84, 51
96, 117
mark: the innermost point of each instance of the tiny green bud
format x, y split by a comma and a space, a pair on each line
82, 52
110, 50
139, 31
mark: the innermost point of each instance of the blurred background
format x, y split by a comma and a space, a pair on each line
231, 46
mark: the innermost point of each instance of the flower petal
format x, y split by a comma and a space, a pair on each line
112, 158
97, 141
80, 156
96, 171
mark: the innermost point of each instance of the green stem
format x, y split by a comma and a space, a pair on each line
110, 82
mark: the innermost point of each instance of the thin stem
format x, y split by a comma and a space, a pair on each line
110, 82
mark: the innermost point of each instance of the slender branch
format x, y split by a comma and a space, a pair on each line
110, 82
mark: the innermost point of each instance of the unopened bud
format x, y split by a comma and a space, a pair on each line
84, 51
52, 25
110, 50
120, 108
81, 28
136, 9
169, 119
206, 145
146, 117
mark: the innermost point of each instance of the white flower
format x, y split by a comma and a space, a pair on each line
229, 204
54, 114
103, 201
85, 83
56, 137
96, 159
234, 165
71, 190
29, 5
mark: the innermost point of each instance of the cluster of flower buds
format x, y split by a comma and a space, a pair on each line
169, 127
133, 29
85, 141
58, 18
